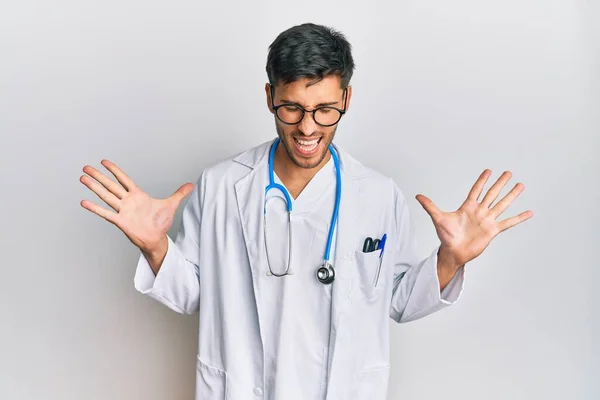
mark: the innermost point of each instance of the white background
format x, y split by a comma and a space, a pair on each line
442, 90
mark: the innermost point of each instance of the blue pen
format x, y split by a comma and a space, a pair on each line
381, 246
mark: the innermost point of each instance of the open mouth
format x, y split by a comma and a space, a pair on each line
307, 147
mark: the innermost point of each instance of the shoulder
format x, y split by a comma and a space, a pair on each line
372, 184
367, 178
235, 166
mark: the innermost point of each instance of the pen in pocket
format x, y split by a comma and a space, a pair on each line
381, 248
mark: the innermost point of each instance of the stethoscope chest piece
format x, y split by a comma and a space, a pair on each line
326, 273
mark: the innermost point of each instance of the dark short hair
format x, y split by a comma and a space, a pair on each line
309, 51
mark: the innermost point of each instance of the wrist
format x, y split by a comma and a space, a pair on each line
156, 248
447, 263
156, 254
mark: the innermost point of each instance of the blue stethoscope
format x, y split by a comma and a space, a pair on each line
326, 272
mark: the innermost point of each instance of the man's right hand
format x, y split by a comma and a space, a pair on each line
143, 219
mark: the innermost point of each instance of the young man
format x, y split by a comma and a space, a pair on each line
294, 253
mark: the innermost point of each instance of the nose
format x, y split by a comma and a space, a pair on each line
307, 125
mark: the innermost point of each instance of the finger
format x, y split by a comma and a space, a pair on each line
181, 193
507, 200
477, 188
429, 207
105, 181
493, 192
108, 215
101, 191
517, 219
121, 176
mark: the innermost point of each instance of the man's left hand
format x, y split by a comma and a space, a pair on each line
466, 232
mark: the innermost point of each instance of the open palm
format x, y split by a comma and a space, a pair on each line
466, 232
143, 219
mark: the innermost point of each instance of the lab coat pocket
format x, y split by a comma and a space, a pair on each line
367, 266
211, 382
372, 384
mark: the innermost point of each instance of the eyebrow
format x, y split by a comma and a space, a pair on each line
285, 101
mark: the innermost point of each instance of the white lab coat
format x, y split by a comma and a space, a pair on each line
218, 258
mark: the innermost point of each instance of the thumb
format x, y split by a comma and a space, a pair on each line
181, 193
429, 207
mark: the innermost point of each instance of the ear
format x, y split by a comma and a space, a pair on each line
268, 93
349, 90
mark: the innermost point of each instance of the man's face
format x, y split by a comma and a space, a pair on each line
306, 143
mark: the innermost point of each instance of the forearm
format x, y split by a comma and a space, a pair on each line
177, 284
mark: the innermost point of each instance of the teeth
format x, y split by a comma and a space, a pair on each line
307, 145
307, 142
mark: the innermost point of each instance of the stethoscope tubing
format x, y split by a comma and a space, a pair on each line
288, 201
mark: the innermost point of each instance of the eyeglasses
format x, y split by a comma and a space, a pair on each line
293, 113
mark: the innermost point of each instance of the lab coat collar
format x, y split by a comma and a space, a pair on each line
250, 195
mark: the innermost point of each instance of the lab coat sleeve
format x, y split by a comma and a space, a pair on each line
177, 284
416, 287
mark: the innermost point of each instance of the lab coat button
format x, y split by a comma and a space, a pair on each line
258, 391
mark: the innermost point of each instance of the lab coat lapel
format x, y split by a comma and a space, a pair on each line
250, 195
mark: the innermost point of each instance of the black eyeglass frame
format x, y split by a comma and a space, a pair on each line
304, 111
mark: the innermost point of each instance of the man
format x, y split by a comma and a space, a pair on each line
272, 251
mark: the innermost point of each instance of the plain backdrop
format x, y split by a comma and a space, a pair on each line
164, 89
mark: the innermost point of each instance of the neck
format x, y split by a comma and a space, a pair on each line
291, 174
